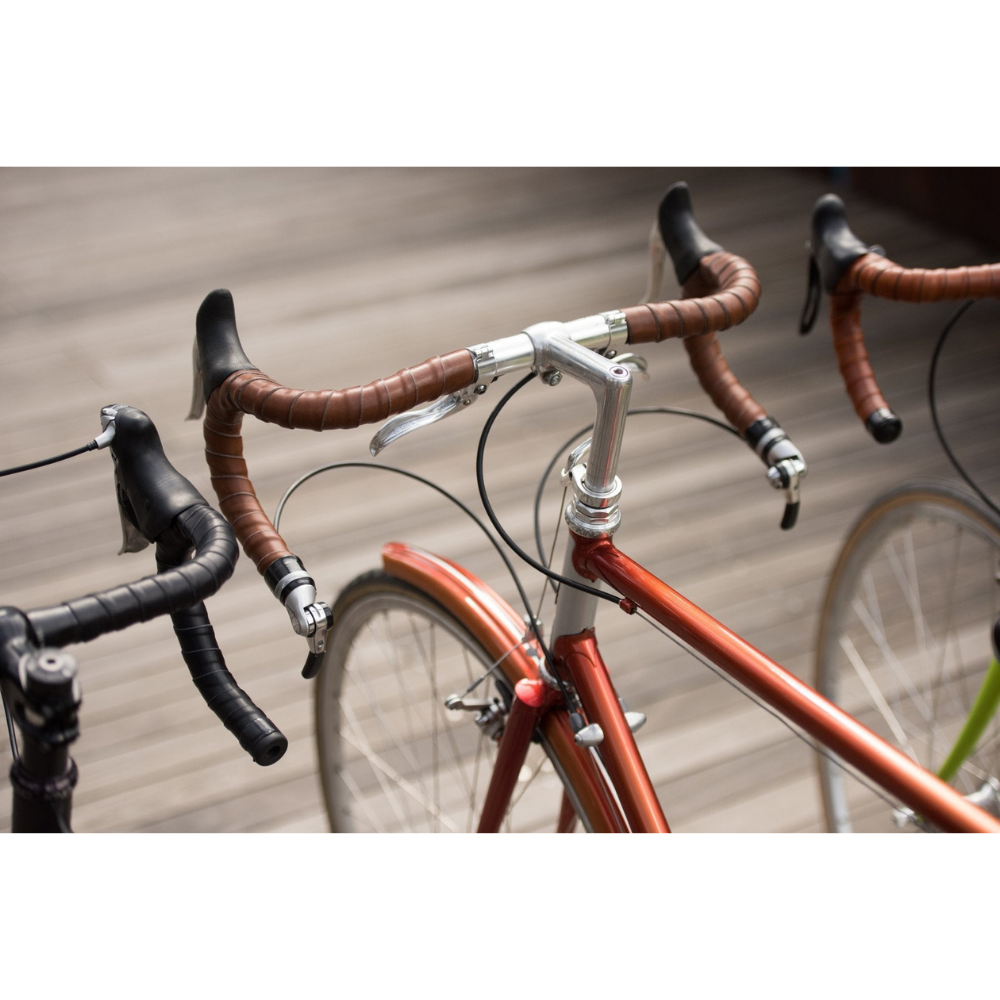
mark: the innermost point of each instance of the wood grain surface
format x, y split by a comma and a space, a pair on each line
341, 276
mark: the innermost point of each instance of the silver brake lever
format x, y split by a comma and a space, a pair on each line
197, 389
403, 423
657, 259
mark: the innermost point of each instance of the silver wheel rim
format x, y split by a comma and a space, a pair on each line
905, 641
393, 758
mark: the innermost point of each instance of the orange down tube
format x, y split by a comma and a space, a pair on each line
798, 702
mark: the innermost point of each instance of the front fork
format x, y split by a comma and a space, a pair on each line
577, 656
501, 632
532, 698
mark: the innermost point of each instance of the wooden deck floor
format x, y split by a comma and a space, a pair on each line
340, 276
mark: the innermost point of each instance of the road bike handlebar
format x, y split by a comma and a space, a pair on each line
195, 554
720, 291
167, 510
720, 288
719, 283
848, 269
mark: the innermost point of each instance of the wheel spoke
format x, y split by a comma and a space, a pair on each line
383, 768
903, 633
875, 693
437, 709
362, 681
877, 634
393, 657
380, 769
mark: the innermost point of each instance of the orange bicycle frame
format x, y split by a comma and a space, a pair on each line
626, 800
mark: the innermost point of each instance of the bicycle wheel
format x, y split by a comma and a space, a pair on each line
392, 756
905, 642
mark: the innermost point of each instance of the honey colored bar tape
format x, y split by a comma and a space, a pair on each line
878, 276
237, 499
852, 356
332, 409
707, 360
736, 298
253, 392
847, 268
875, 275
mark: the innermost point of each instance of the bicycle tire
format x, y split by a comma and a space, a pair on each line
904, 642
392, 757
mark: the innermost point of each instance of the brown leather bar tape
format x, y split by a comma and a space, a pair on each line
231, 480
737, 296
709, 364
721, 385
878, 276
253, 392
319, 410
852, 356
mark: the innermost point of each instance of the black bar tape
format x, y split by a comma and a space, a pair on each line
764, 435
86, 618
252, 728
236, 710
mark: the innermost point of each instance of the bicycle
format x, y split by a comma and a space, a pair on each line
912, 606
39, 684
502, 675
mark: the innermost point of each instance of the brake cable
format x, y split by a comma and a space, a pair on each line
677, 411
932, 400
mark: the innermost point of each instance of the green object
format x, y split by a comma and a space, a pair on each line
982, 711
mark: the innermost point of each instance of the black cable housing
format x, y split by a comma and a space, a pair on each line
675, 411
90, 446
932, 400
480, 452
465, 510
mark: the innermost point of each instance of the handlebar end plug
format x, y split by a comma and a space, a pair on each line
884, 426
269, 747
